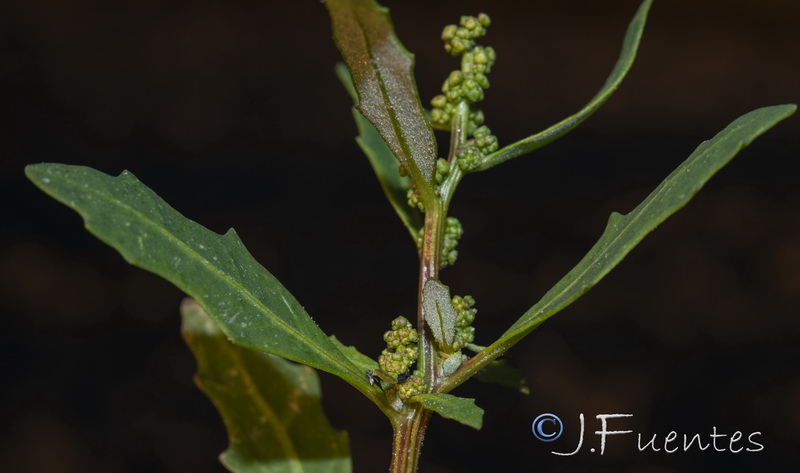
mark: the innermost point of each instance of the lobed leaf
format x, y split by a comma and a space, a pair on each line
457, 408
383, 162
248, 303
629, 47
381, 70
271, 407
624, 232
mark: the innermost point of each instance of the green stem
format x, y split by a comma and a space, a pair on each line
410, 428
429, 269
407, 444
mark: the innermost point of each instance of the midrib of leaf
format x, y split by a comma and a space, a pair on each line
441, 320
396, 126
222, 275
277, 425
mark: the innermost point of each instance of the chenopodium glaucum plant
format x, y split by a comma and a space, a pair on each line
243, 325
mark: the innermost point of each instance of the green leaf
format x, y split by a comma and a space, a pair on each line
360, 360
457, 408
248, 303
439, 313
270, 406
624, 232
383, 163
381, 69
629, 47
502, 373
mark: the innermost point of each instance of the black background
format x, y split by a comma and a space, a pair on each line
231, 112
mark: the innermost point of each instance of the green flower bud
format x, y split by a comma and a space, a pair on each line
413, 199
449, 32
439, 101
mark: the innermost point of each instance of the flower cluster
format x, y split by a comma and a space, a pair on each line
414, 201
411, 387
465, 332
452, 234
467, 85
401, 347
471, 154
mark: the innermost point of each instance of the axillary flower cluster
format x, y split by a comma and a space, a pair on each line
401, 352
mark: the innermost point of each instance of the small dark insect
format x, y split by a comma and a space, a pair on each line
403, 377
372, 378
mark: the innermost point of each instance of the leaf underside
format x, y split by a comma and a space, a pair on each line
382, 73
630, 46
383, 162
271, 407
248, 303
439, 312
624, 232
452, 407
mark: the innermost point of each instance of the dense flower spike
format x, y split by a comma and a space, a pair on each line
467, 85
452, 234
465, 332
401, 347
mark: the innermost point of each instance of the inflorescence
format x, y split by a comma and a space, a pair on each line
467, 85
400, 355
465, 332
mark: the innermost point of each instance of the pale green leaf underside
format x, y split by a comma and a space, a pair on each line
382, 72
439, 313
624, 232
271, 407
457, 408
383, 163
629, 47
248, 303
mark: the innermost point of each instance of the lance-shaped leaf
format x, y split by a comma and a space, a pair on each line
382, 72
629, 47
624, 232
460, 409
271, 407
248, 303
383, 163
439, 313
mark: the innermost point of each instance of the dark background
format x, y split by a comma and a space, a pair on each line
231, 112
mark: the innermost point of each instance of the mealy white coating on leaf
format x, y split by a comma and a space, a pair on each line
439, 312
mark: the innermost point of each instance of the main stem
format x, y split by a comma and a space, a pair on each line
409, 426
408, 435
